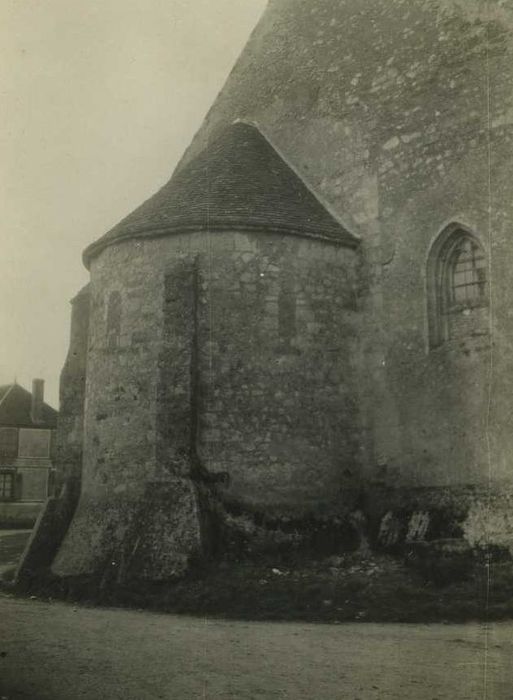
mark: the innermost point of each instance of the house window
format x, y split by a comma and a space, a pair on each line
8, 442
6, 486
457, 287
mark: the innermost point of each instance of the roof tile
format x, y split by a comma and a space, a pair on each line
239, 181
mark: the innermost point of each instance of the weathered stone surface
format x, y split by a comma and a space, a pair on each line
389, 530
490, 521
218, 386
398, 114
137, 535
477, 517
418, 527
443, 561
270, 375
70, 427
47, 535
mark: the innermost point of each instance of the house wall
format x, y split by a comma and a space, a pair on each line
399, 114
17, 515
29, 461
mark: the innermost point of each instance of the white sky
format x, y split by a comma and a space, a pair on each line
99, 99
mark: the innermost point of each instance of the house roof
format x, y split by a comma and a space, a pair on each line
15, 405
238, 182
3, 390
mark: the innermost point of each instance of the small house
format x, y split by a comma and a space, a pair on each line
27, 442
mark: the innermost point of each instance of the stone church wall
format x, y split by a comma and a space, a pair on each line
277, 332
399, 114
70, 434
288, 375
224, 358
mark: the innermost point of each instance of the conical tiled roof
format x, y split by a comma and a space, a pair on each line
238, 182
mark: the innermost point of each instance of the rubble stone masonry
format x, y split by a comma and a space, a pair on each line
290, 375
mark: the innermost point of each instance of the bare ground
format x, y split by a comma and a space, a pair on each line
56, 651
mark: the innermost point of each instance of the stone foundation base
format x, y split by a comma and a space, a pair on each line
155, 533
478, 515
137, 535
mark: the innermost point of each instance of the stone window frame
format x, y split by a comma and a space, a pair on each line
441, 280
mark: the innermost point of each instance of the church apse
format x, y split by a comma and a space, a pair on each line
220, 366
287, 337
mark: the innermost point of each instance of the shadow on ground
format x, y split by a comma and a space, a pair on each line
352, 587
12, 544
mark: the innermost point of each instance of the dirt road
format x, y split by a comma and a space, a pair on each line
53, 651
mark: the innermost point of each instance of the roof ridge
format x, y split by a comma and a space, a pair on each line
301, 176
15, 409
11, 386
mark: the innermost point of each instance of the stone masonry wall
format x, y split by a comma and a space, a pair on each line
277, 394
70, 433
132, 515
231, 362
400, 115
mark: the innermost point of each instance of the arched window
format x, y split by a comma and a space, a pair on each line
466, 274
457, 287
